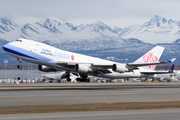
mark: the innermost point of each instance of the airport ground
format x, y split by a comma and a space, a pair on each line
155, 114
109, 100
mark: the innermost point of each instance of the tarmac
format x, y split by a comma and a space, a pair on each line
155, 114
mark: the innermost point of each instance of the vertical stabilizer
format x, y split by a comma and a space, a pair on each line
151, 56
171, 69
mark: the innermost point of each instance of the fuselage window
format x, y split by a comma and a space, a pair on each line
19, 40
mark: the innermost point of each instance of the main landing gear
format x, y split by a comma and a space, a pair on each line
19, 66
84, 78
67, 75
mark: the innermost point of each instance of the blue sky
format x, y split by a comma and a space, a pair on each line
112, 12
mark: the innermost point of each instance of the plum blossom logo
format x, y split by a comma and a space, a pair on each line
150, 57
72, 57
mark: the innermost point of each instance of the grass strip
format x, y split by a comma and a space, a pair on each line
28, 109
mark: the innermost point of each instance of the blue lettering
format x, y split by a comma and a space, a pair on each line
55, 54
68, 57
60, 55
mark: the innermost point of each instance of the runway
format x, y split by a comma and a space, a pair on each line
158, 114
74, 95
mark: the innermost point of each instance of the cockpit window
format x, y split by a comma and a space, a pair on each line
19, 40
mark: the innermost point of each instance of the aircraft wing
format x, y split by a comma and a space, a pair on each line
95, 65
161, 72
146, 64
151, 63
157, 72
102, 68
135, 65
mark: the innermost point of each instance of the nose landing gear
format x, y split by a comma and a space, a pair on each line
19, 66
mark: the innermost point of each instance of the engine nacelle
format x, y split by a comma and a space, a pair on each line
81, 68
46, 69
119, 68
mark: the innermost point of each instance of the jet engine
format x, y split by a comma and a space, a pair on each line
46, 69
119, 68
81, 68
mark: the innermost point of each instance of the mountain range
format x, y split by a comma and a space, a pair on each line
97, 39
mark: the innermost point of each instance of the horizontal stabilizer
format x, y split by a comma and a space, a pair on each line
172, 60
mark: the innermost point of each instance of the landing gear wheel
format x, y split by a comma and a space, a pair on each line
19, 66
88, 80
84, 78
69, 80
78, 80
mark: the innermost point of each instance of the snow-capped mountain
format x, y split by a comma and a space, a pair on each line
7, 25
156, 30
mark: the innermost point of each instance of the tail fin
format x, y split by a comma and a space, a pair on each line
171, 69
151, 56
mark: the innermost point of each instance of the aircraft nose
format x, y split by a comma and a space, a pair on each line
5, 47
